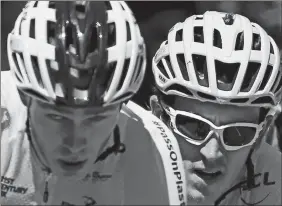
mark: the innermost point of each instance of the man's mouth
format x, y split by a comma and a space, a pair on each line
208, 175
71, 165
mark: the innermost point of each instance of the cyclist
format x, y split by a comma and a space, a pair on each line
67, 138
217, 87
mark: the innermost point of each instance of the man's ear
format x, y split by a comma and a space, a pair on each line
155, 106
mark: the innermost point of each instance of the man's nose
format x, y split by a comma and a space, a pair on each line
212, 152
74, 141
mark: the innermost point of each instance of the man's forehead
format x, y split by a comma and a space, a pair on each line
67, 109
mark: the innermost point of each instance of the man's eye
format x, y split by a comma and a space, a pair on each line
55, 117
98, 117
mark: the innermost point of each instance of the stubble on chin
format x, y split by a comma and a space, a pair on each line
197, 190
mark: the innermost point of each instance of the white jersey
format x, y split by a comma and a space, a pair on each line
150, 172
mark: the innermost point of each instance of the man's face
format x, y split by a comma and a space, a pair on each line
69, 139
210, 169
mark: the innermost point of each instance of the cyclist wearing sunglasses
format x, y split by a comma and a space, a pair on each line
218, 88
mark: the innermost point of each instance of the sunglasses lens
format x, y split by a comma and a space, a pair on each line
191, 127
239, 135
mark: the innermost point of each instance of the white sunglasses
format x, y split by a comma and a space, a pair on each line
197, 130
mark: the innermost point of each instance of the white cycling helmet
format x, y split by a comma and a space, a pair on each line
77, 53
221, 58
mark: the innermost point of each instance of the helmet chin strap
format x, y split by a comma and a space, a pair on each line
38, 158
249, 164
34, 152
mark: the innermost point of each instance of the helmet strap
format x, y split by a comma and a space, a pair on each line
250, 170
269, 121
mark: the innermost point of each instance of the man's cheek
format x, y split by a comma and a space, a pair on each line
187, 150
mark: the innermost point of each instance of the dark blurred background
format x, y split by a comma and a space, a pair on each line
156, 18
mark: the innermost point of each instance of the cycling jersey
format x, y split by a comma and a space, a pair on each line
267, 181
150, 171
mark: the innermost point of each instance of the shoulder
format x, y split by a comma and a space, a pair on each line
154, 156
9, 93
13, 112
268, 179
143, 126
269, 160
13, 121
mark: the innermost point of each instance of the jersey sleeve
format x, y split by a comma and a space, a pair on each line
144, 181
13, 112
155, 158
13, 118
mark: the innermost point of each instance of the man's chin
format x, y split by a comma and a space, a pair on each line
203, 196
67, 174
78, 174
201, 191
195, 197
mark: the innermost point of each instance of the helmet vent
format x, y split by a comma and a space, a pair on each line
128, 31
199, 17
239, 41
140, 63
256, 44
275, 86
263, 100
217, 39
266, 77
250, 76
17, 64
271, 48
200, 66
183, 68
124, 72
226, 74
167, 59
199, 34
179, 34
35, 66
111, 35
239, 100
279, 86
32, 29
162, 69
51, 32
